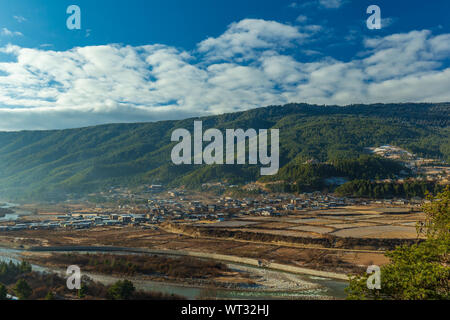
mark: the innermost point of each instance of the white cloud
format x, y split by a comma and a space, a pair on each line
309, 52
242, 40
246, 67
20, 19
322, 4
302, 19
331, 4
387, 22
400, 55
8, 33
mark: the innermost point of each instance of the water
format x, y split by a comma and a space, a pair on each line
330, 288
334, 288
7, 205
190, 293
9, 216
7, 255
193, 293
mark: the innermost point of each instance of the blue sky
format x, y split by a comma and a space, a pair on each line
140, 60
185, 23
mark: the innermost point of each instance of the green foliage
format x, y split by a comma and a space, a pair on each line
9, 271
131, 265
49, 286
417, 272
3, 292
228, 174
437, 223
364, 167
51, 164
382, 190
50, 296
306, 177
121, 290
22, 289
82, 291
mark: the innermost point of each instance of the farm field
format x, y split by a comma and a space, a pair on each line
358, 223
350, 222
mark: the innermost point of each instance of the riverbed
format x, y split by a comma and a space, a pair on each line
10, 216
290, 286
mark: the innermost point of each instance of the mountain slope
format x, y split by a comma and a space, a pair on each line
48, 163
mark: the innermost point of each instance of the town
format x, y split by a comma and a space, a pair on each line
155, 206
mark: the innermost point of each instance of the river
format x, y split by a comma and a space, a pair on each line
9, 216
329, 288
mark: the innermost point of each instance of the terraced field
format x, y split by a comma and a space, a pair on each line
351, 222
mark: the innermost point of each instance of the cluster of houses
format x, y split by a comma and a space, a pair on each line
176, 208
81, 220
228, 207
392, 152
428, 169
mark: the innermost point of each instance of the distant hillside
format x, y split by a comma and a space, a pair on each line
43, 164
308, 177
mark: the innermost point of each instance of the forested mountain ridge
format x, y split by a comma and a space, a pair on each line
49, 163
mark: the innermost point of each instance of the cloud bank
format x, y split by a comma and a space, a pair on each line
251, 65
